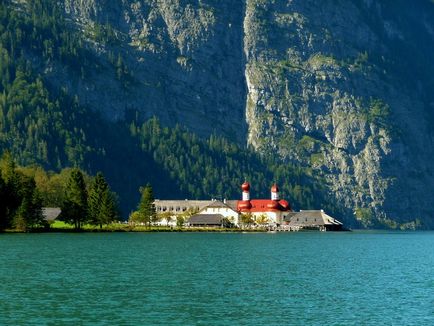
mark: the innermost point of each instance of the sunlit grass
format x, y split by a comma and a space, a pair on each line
123, 227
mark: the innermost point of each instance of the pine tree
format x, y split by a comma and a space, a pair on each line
3, 217
74, 208
29, 213
146, 207
10, 199
102, 203
109, 208
20, 202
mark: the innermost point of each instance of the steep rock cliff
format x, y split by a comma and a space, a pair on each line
183, 61
343, 88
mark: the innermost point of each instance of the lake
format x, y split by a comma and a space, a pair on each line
349, 278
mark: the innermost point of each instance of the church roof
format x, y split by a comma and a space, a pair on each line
267, 205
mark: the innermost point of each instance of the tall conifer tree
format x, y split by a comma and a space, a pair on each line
10, 197
74, 208
3, 217
146, 207
102, 203
29, 213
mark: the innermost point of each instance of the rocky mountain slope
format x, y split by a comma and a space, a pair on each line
342, 88
184, 61
346, 86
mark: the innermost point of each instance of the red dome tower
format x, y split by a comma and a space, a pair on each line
246, 189
245, 204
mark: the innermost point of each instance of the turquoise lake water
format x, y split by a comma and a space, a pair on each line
357, 278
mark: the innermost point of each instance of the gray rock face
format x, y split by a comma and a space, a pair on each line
185, 58
342, 87
323, 92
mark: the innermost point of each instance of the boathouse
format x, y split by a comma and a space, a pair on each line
312, 220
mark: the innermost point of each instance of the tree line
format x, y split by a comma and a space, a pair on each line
24, 191
20, 200
146, 214
44, 123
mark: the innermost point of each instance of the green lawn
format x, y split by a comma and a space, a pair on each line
121, 227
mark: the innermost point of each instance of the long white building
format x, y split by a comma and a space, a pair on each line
273, 212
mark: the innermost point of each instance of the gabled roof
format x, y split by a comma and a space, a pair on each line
232, 204
311, 217
206, 219
287, 217
218, 204
51, 213
181, 203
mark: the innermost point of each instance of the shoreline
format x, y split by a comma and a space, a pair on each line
136, 230
156, 230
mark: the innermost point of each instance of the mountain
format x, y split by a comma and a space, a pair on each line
338, 90
345, 86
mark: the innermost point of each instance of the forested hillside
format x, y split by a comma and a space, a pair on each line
45, 125
335, 110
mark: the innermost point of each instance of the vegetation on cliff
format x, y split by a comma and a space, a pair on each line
42, 124
337, 111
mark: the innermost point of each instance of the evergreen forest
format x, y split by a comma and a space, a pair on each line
43, 126
26, 191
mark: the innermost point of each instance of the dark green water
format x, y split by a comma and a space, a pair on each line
359, 278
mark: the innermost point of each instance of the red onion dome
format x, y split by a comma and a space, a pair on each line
244, 205
275, 188
245, 186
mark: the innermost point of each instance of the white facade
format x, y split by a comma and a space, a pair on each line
272, 217
218, 207
208, 207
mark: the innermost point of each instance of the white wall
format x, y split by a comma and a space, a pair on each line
273, 217
227, 212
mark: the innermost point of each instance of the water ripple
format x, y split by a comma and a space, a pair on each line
359, 278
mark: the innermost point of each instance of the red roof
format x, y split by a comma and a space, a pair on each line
264, 205
284, 204
244, 205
